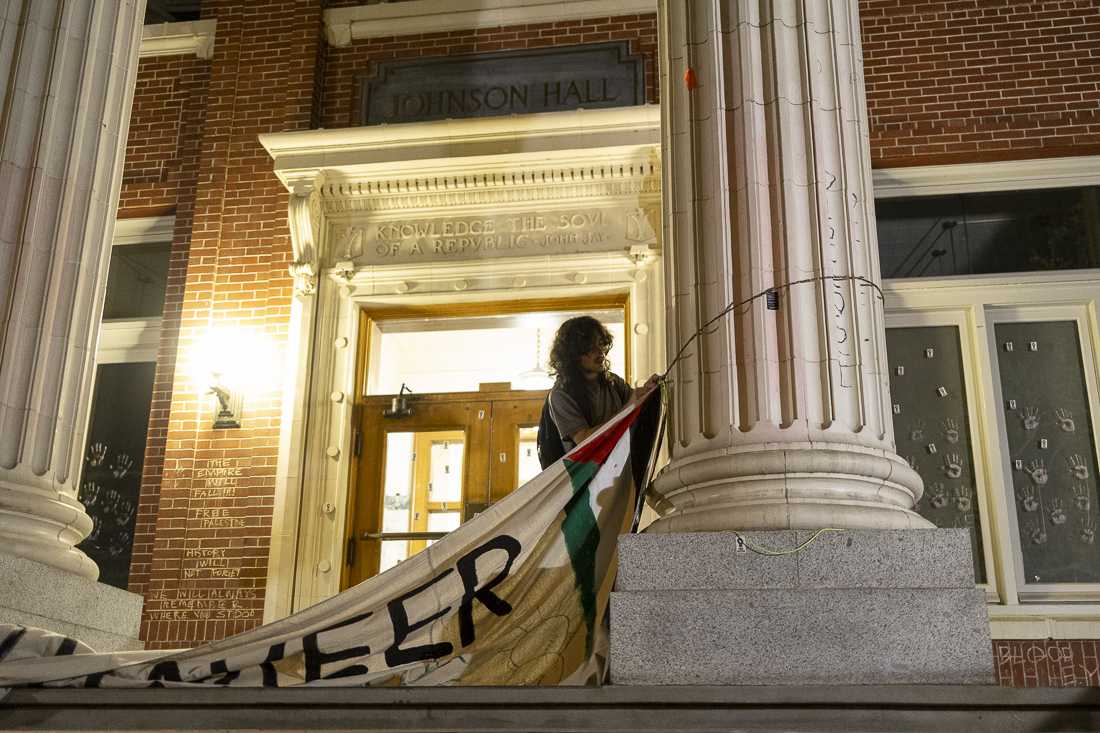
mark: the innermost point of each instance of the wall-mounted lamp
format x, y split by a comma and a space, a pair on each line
229, 405
230, 361
399, 405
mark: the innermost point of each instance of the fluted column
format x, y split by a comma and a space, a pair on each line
780, 418
69, 72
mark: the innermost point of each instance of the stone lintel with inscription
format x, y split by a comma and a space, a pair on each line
569, 231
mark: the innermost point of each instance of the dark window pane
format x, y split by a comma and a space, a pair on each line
113, 459
932, 429
982, 233
137, 280
1051, 446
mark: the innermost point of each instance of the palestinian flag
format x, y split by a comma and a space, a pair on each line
515, 596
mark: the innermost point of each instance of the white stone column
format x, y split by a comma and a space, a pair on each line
69, 73
780, 418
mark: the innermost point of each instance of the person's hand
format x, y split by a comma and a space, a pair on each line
649, 386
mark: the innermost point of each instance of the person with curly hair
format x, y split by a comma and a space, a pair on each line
585, 394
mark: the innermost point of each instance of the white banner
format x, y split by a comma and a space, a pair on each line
515, 596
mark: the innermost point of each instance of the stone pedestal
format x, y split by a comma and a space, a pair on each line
103, 617
863, 607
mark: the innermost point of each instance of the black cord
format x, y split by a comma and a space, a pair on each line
774, 289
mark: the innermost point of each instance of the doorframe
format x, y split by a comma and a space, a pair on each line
307, 553
341, 181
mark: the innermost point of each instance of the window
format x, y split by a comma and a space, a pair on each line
980, 233
992, 347
125, 365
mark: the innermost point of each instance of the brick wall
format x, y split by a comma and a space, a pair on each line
980, 80
213, 513
344, 65
1047, 663
165, 123
159, 178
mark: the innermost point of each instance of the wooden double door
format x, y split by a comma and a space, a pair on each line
420, 475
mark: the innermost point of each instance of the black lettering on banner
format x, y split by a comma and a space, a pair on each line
164, 671
395, 655
222, 668
314, 657
274, 654
467, 570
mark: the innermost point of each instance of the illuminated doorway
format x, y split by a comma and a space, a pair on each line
466, 436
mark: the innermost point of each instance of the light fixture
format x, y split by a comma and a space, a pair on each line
233, 362
229, 404
399, 405
536, 377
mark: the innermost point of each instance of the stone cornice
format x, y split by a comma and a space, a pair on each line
633, 179
344, 25
556, 155
170, 39
450, 147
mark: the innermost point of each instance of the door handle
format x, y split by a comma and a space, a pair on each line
402, 535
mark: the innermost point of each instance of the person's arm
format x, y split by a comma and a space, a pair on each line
567, 415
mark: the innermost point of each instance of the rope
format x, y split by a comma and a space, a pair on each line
776, 553
763, 293
663, 383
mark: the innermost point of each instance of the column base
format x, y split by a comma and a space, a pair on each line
856, 607
102, 616
788, 486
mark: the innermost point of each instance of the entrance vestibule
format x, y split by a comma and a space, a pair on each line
438, 458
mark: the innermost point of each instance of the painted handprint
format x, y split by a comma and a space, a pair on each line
1036, 533
963, 501
124, 510
916, 430
1078, 467
89, 493
1027, 498
1057, 512
97, 452
1029, 416
952, 465
1037, 470
122, 465
1086, 529
938, 498
94, 534
1065, 420
1081, 496
951, 430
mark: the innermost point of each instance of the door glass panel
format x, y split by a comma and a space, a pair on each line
445, 484
393, 552
931, 427
444, 521
397, 504
528, 462
1052, 449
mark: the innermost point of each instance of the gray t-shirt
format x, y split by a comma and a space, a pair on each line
606, 397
